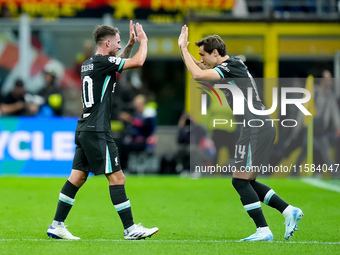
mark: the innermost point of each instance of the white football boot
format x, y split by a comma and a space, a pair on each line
60, 233
261, 234
292, 215
139, 232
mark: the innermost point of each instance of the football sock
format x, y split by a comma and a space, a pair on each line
287, 211
250, 201
58, 224
66, 200
268, 196
122, 204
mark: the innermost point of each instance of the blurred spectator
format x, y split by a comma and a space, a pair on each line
8, 109
326, 120
140, 131
16, 103
195, 148
122, 101
5, 12
87, 52
16, 95
285, 6
125, 92
51, 93
73, 104
182, 157
327, 111
289, 138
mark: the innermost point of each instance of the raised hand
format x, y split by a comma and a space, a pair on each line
141, 36
133, 38
183, 38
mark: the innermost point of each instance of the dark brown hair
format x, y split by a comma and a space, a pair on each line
212, 42
102, 31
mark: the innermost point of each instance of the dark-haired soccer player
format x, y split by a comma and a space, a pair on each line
254, 144
96, 150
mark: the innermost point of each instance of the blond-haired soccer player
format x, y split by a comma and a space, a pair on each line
96, 150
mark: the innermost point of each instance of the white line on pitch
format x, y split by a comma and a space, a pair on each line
160, 241
322, 184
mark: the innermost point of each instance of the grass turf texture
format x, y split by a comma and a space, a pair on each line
202, 216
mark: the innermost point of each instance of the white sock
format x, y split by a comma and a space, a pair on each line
287, 210
265, 229
129, 229
58, 224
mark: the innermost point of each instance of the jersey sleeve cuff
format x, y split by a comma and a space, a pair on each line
219, 71
120, 68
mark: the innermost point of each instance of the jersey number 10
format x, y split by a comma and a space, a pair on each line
87, 97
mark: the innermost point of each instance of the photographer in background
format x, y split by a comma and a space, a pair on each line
18, 102
51, 93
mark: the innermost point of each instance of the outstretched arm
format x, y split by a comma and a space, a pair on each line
199, 64
132, 40
139, 58
196, 72
6, 109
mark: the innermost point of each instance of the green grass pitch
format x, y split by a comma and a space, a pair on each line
195, 216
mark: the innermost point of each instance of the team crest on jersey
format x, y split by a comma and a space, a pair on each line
112, 59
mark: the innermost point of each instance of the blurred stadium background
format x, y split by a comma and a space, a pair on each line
285, 39
278, 39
